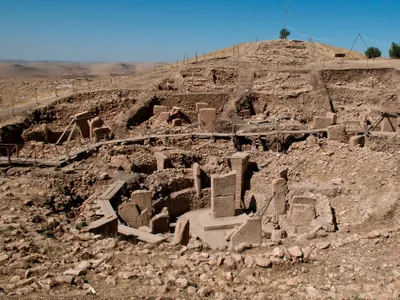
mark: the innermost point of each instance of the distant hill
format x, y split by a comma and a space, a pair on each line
43, 69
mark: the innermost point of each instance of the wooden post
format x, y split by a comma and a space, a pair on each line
8, 155
36, 96
55, 92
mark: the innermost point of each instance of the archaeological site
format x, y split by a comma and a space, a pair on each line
269, 170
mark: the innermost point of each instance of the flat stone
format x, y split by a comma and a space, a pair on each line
182, 232
295, 251
373, 234
249, 232
263, 262
323, 245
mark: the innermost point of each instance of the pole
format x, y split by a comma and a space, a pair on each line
36, 96
286, 17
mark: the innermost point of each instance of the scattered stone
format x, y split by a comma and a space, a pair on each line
263, 262
182, 233
182, 282
323, 245
295, 251
373, 234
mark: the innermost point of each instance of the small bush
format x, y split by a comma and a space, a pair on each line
394, 51
373, 52
284, 33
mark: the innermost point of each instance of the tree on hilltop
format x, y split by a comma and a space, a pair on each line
284, 33
394, 51
373, 52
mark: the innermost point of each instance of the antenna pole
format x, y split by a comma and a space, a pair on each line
287, 10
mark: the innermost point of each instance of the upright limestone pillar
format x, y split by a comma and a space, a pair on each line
239, 163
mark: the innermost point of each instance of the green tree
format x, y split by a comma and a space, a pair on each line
284, 33
373, 52
394, 51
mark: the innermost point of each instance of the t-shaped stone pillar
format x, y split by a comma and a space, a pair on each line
197, 179
223, 195
279, 188
239, 163
207, 117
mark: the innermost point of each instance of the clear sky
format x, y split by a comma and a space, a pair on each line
164, 30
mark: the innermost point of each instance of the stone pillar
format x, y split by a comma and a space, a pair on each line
389, 124
94, 123
200, 105
223, 188
162, 161
182, 232
46, 133
364, 122
279, 188
157, 109
207, 117
332, 116
321, 122
302, 210
143, 199
338, 133
83, 127
239, 163
197, 178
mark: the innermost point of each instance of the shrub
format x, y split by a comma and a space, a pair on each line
373, 52
394, 51
284, 33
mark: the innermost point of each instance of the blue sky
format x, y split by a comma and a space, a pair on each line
164, 30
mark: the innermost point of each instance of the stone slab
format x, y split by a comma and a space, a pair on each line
249, 232
302, 214
321, 122
182, 232
107, 226
208, 223
140, 235
214, 238
106, 207
112, 190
